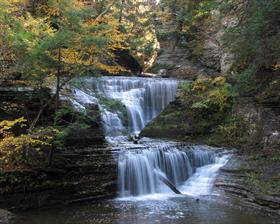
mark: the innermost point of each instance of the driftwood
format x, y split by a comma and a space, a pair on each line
167, 182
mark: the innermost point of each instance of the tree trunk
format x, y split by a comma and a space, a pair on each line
58, 79
33, 7
121, 13
50, 157
34, 122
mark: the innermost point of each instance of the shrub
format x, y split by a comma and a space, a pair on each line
205, 104
233, 131
112, 105
207, 95
23, 152
14, 127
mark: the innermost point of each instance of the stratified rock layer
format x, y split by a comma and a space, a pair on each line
77, 175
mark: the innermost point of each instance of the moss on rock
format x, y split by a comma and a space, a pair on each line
170, 124
79, 129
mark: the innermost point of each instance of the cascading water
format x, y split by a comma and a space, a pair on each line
133, 102
143, 99
138, 170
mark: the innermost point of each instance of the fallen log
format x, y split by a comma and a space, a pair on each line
167, 182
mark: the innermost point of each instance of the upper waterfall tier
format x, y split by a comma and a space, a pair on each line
143, 99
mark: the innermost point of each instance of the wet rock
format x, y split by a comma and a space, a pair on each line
233, 180
5, 216
270, 201
162, 72
170, 124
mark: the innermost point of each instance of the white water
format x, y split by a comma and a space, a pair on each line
202, 182
192, 169
143, 99
144, 199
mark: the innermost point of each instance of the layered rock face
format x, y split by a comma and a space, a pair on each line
201, 54
174, 58
175, 61
5, 216
236, 179
76, 175
261, 125
85, 169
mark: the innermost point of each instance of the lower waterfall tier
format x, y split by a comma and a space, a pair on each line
140, 172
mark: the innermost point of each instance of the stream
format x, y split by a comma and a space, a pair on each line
127, 104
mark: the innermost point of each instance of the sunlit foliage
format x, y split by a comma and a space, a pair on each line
19, 150
207, 95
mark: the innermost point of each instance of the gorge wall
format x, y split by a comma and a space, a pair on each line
83, 169
200, 52
188, 54
251, 123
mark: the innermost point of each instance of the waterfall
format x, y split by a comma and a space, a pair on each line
127, 104
143, 99
138, 170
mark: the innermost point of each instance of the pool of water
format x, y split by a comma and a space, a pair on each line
200, 203
150, 210
143, 99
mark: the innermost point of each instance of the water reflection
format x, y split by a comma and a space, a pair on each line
175, 210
